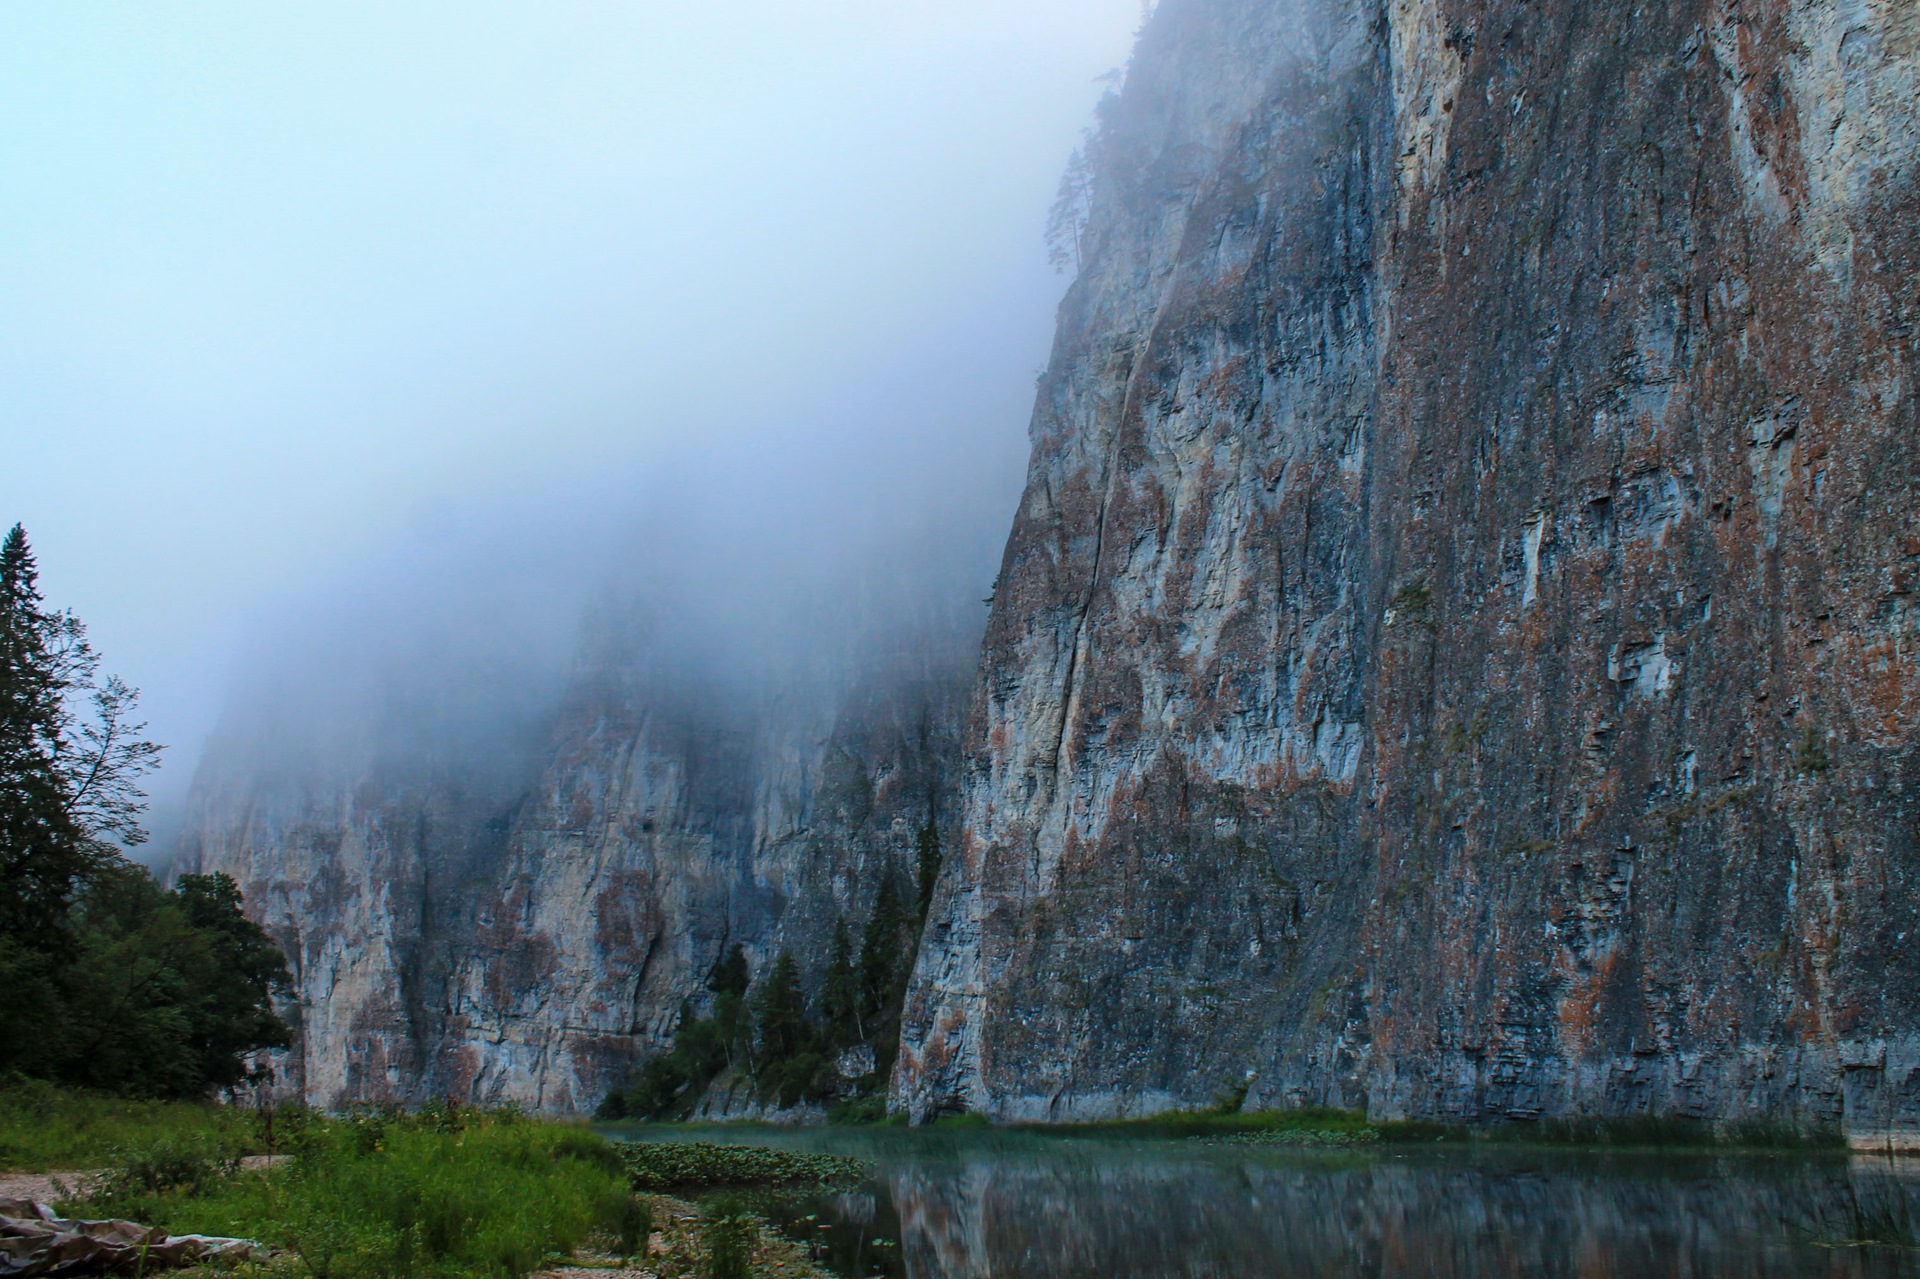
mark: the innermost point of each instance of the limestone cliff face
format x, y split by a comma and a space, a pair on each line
1456, 654
522, 924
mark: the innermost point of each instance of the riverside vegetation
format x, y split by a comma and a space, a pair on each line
788, 1050
454, 1191
145, 1001
380, 1193
129, 987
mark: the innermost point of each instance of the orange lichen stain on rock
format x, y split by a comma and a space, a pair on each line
1772, 117
462, 1068
1883, 685
1579, 1009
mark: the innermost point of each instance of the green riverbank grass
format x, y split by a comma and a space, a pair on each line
1672, 1133
1214, 1122
440, 1193
44, 1128
379, 1195
1327, 1127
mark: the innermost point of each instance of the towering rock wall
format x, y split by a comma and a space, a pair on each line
1456, 654
522, 922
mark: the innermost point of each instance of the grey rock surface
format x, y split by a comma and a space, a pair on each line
1455, 655
525, 927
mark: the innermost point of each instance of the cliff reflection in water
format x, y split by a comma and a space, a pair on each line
1070, 1209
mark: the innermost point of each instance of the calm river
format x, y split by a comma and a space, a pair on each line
993, 1205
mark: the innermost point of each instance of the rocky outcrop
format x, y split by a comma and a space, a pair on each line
1456, 653
523, 922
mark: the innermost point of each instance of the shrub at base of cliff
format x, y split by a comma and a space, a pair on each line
157, 994
836, 1051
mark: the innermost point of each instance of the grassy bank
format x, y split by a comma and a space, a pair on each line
382, 1194
1318, 1126
44, 1128
440, 1193
1325, 1126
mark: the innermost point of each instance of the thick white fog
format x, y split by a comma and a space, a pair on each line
340, 343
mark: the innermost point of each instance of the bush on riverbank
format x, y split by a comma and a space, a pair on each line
379, 1194
46, 1128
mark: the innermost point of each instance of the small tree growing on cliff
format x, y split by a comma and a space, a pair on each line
927, 854
1067, 220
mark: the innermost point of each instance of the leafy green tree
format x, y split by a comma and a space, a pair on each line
169, 993
236, 977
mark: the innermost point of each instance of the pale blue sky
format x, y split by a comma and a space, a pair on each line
282, 284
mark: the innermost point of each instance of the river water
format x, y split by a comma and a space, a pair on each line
1008, 1205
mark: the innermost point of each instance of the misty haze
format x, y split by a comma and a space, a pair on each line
1227, 638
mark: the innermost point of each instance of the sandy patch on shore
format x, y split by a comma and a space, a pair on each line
40, 1187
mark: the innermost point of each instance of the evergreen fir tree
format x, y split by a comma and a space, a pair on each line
170, 991
44, 855
110, 981
790, 1066
732, 1025
840, 991
928, 855
780, 1011
881, 955
732, 975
